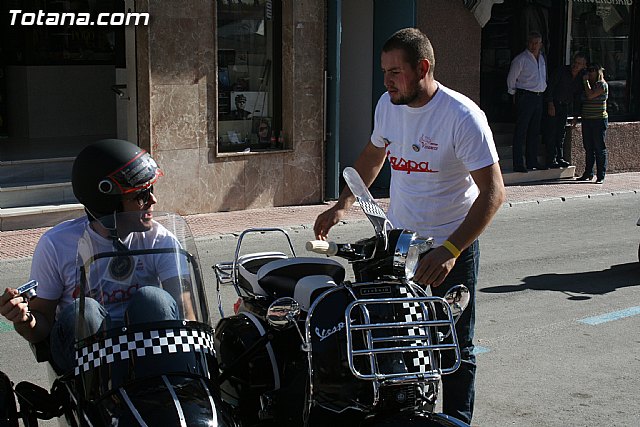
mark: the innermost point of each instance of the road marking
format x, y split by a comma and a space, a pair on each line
614, 315
5, 327
477, 349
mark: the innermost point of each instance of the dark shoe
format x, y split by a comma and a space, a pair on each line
554, 165
600, 181
563, 163
520, 169
584, 178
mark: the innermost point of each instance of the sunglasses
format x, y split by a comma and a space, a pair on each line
143, 196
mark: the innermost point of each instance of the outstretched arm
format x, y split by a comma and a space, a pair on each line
368, 165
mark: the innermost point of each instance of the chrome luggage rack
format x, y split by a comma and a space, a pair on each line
419, 340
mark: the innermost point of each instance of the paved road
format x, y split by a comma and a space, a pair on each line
558, 311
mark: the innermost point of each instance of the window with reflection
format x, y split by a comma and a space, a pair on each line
249, 69
602, 31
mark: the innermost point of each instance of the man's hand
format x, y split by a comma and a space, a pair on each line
551, 109
326, 220
434, 267
14, 307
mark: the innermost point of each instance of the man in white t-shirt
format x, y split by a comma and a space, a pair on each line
114, 180
445, 183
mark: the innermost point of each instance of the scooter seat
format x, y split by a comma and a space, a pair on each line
279, 278
248, 266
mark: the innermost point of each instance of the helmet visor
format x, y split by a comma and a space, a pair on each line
138, 174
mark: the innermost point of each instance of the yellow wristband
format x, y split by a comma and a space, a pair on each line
451, 248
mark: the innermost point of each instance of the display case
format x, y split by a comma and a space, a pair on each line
248, 31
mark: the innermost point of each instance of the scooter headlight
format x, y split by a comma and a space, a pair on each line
418, 247
409, 247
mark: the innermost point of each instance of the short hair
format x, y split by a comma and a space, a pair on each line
534, 35
579, 55
415, 45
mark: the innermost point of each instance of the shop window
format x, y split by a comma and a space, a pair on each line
602, 31
249, 70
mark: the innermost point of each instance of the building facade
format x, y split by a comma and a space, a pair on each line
257, 103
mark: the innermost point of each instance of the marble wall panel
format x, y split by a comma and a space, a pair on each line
264, 181
308, 10
176, 122
176, 190
303, 174
308, 81
182, 45
222, 185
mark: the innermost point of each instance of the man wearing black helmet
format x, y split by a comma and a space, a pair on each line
114, 180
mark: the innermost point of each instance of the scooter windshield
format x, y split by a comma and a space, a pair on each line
372, 210
135, 268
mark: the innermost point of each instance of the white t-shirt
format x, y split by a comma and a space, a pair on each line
55, 265
431, 150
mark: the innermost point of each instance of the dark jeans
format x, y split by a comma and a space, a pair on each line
593, 135
555, 133
148, 304
458, 389
527, 131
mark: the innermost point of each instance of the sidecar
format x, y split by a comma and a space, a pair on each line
143, 350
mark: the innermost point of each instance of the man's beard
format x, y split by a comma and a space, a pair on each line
406, 99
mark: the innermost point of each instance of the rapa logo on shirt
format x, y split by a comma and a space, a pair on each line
409, 165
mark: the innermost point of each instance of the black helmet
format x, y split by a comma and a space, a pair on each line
107, 169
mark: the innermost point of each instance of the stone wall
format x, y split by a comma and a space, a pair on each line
177, 109
623, 144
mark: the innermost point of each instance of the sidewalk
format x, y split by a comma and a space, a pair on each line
20, 244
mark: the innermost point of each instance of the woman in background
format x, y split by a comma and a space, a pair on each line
594, 123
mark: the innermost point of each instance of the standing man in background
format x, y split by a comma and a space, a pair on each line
564, 88
445, 184
527, 81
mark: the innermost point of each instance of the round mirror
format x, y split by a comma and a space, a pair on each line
458, 299
283, 312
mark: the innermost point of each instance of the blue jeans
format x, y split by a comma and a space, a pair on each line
148, 304
555, 133
593, 135
527, 131
458, 389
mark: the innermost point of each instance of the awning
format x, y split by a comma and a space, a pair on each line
481, 9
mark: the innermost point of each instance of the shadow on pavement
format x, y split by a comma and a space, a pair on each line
577, 286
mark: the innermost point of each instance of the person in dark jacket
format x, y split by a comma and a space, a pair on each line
564, 88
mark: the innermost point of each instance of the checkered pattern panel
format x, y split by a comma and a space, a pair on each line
413, 313
140, 344
371, 208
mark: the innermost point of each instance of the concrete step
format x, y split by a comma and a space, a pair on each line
514, 178
38, 216
35, 171
36, 194
36, 182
